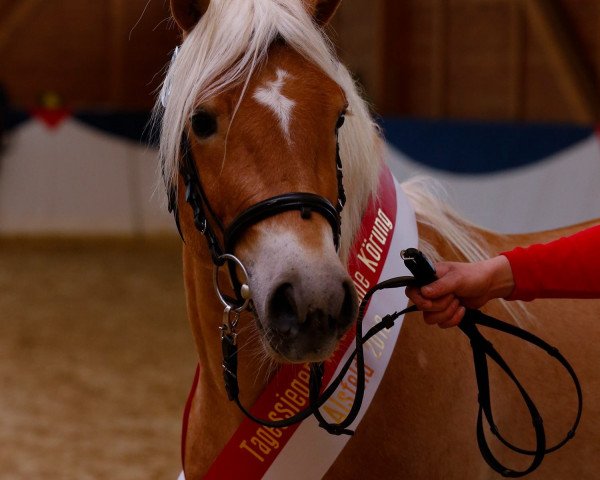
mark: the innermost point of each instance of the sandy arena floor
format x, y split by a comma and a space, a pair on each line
96, 359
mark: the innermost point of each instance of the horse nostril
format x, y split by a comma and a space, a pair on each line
284, 311
349, 308
292, 310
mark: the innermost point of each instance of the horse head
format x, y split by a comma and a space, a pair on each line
260, 126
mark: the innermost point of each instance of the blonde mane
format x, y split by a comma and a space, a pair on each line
227, 46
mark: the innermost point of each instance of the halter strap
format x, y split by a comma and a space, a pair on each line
198, 201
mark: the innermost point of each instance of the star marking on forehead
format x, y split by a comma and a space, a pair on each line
271, 96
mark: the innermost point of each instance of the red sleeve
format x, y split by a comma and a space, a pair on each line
565, 268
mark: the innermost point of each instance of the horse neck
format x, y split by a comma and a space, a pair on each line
213, 418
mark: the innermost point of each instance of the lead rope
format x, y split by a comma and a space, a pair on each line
424, 273
483, 349
229, 348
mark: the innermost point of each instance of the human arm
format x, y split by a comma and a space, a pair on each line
568, 267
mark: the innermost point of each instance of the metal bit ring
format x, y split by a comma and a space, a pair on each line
245, 289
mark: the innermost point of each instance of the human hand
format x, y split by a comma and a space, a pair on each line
461, 285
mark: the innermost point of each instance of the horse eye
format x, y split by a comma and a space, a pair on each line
204, 124
340, 121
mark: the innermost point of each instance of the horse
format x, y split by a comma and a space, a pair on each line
257, 102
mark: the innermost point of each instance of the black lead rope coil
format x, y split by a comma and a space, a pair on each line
483, 349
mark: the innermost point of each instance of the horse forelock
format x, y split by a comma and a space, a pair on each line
226, 47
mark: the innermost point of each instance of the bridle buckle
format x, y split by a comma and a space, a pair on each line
229, 324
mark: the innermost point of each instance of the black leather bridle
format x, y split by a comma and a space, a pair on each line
204, 215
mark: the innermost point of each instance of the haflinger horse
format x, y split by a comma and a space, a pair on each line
254, 103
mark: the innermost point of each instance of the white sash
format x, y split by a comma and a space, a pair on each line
307, 451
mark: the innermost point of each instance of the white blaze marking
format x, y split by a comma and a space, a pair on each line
271, 97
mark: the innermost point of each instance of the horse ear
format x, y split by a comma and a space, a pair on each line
323, 10
187, 13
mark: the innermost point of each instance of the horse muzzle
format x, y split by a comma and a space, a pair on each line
305, 321
305, 301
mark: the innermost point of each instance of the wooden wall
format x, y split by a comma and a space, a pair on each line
492, 59
358, 32
94, 54
465, 59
